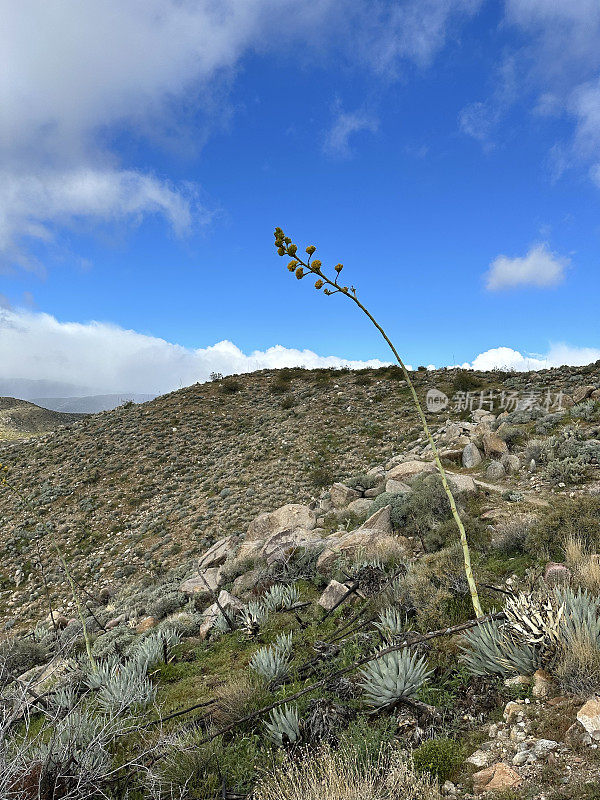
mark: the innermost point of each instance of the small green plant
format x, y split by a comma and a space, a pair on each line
438, 757
283, 725
271, 663
393, 676
391, 623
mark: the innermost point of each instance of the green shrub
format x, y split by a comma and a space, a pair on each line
466, 381
289, 401
230, 386
166, 605
19, 655
438, 757
576, 518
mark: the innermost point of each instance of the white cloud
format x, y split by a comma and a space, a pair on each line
33, 202
540, 268
554, 70
558, 355
105, 358
345, 125
75, 76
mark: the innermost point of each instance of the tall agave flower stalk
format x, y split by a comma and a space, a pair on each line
312, 266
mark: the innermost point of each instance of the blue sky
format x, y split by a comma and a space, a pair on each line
447, 151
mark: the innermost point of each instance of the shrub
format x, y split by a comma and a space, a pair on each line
438, 757
512, 435
510, 537
288, 402
230, 386
466, 381
578, 517
19, 655
393, 676
166, 605
437, 588
588, 410
242, 695
338, 775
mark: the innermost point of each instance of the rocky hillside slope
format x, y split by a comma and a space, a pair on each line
20, 419
143, 488
269, 562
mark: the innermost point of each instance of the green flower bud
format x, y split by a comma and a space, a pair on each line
310, 249
339, 267
318, 284
316, 264
292, 249
292, 265
281, 251
299, 273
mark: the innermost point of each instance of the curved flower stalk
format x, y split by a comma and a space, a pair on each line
312, 266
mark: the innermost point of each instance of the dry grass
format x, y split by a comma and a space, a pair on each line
578, 667
585, 565
241, 695
338, 775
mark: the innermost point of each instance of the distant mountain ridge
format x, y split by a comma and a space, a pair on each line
91, 404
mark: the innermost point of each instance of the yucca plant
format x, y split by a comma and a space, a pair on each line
393, 676
301, 267
392, 622
283, 725
270, 663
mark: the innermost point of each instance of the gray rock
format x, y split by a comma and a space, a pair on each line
217, 554
360, 506
288, 517
495, 471
332, 595
511, 463
471, 457
397, 487
493, 445
205, 583
342, 496
409, 469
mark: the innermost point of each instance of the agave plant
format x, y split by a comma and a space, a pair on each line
488, 649
581, 616
394, 676
392, 622
283, 726
127, 685
536, 619
155, 648
270, 663
283, 643
280, 597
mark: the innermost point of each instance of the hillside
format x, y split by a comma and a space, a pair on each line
20, 419
142, 488
275, 599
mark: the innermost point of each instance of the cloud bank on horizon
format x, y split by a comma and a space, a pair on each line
105, 358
